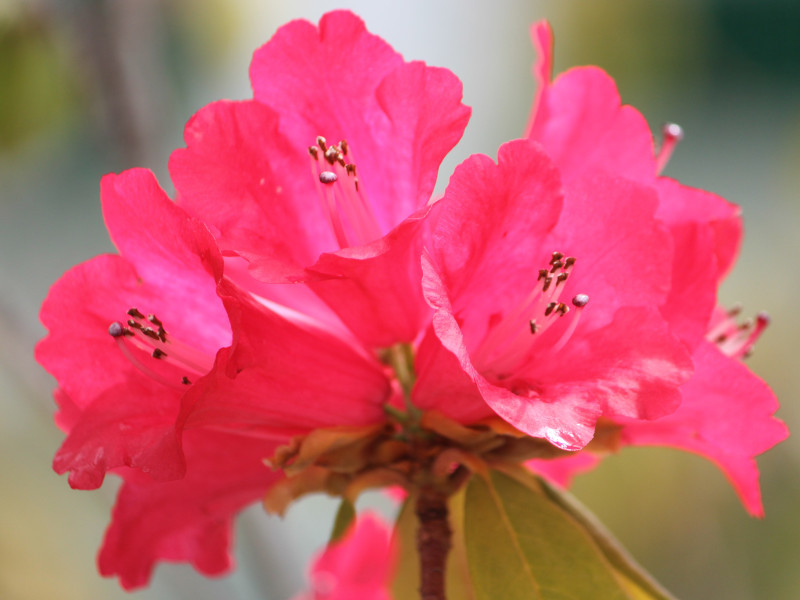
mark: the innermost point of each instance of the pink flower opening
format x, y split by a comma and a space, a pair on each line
726, 412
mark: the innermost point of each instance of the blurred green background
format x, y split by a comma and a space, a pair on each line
92, 86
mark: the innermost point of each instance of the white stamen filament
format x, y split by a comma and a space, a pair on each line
672, 134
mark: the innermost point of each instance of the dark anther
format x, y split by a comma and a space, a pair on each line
162, 334
542, 274
340, 159
185, 380
569, 262
134, 324
580, 300
562, 308
155, 320
322, 143
150, 332
344, 147
331, 154
556, 266
556, 256
534, 326
328, 177
550, 308
312, 150
135, 313
356, 182
158, 353
547, 281
116, 329
562, 277
350, 168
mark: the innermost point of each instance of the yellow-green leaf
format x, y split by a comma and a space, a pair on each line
344, 516
522, 546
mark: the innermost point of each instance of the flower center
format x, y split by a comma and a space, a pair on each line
508, 346
737, 339
148, 346
346, 207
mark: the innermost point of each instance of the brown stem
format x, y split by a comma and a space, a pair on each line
433, 542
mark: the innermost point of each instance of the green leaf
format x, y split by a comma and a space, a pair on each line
521, 546
406, 582
344, 517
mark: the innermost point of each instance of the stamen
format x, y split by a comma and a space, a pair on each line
139, 343
578, 302
672, 134
349, 213
509, 344
737, 339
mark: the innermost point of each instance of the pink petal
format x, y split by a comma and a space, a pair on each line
681, 204
490, 226
358, 567
726, 416
623, 253
341, 82
188, 520
582, 124
173, 254
443, 385
374, 289
118, 415
693, 293
284, 378
240, 174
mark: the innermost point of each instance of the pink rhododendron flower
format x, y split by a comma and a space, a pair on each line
162, 398
304, 285
360, 566
191, 366
726, 411
326, 176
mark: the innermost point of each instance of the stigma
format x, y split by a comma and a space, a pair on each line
144, 341
344, 203
509, 345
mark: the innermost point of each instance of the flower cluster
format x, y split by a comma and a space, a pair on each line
304, 289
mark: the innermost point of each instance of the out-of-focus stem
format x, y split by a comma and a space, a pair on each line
433, 542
